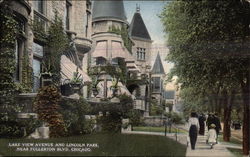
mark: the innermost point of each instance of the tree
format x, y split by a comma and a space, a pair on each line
57, 44
208, 43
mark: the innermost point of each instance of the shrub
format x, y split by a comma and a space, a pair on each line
74, 112
176, 118
156, 110
134, 117
10, 129
111, 122
47, 108
29, 124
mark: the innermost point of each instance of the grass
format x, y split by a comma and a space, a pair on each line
236, 152
232, 140
109, 145
156, 129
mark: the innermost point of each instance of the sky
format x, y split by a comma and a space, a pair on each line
149, 11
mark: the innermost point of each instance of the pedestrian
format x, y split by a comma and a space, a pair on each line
202, 120
212, 136
209, 120
216, 121
193, 125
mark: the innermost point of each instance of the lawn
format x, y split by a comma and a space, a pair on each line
156, 129
108, 145
236, 152
232, 140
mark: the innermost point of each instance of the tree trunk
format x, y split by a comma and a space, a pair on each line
246, 120
227, 116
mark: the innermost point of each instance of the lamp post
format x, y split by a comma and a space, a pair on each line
148, 108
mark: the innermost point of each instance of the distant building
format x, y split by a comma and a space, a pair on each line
141, 52
169, 96
172, 96
157, 75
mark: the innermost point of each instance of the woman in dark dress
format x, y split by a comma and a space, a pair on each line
194, 126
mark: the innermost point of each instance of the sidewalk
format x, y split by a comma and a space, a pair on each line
203, 150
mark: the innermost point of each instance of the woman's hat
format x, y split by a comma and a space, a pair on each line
212, 126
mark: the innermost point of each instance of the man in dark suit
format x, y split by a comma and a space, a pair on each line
216, 121
202, 120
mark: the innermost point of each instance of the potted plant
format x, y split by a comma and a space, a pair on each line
76, 82
46, 74
66, 89
94, 87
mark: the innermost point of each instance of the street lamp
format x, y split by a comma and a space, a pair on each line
148, 71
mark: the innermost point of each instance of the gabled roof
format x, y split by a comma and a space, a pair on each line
158, 67
137, 27
108, 9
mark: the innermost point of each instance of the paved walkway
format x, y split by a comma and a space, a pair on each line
203, 150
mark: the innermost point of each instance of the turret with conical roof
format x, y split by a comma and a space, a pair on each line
103, 9
108, 20
158, 67
137, 27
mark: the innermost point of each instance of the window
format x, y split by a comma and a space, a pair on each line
138, 53
114, 61
156, 84
67, 16
17, 56
100, 61
36, 71
88, 13
144, 54
141, 54
20, 25
37, 65
87, 23
39, 6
